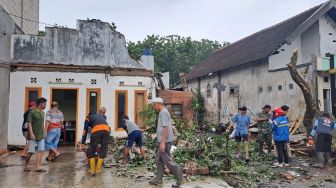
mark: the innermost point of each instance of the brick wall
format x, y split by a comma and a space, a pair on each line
178, 97
30, 11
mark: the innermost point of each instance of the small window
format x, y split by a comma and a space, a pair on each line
33, 80
121, 83
231, 90
71, 80
58, 80
269, 88
326, 79
31, 94
140, 84
291, 86
260, 89
209, 90
279, 87
93, 81
176, 110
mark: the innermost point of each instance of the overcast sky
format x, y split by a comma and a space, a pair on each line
222, 20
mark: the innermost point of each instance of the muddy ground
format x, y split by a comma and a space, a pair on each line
70, 171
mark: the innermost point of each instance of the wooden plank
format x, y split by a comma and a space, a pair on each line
298, 124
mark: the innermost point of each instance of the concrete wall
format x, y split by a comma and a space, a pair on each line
327, 29
92, 43
28, 9
20, 80
7, 27
250, 79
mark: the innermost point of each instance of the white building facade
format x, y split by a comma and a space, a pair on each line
81, 70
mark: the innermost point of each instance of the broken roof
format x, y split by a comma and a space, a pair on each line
255, 47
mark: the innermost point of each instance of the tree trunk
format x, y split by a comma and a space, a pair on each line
310, 113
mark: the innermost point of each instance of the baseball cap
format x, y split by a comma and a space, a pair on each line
243, 108
157, 100
267, 106
31, 104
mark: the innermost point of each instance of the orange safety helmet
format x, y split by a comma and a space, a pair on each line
277, 112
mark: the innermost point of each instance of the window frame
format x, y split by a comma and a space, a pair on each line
98, 91
26, 97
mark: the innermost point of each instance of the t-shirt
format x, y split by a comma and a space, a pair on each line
243, 122
130, 126
164, 121
55, 118
36, 118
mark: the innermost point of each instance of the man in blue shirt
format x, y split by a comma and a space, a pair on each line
322, 132
242, 121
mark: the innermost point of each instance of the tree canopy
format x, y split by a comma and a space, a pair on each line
173, 53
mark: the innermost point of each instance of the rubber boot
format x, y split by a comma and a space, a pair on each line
326, 158
99, 165
320, 160
92, 166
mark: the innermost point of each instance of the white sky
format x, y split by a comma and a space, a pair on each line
222, 20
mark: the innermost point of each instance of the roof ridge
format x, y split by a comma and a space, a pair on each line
271, 27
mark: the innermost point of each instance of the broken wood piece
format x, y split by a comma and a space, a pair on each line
300, 152
297, 125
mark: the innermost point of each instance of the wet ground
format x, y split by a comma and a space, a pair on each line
70, 171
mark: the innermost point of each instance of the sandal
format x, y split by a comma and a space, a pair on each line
56, 156
40, 170
27, 169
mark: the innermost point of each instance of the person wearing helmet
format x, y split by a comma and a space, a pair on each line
280, 126
322, 132
243, 121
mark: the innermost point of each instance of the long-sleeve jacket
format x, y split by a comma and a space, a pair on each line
95, 122
280, 128
323, 125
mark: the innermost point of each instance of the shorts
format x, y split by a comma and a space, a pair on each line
240, 138
34, 143
323, 142
135, 136
53, 137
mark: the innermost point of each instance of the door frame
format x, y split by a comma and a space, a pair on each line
77, 96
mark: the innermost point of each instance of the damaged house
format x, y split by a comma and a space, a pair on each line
82, 69
254, 70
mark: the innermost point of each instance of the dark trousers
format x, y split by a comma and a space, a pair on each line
164, 158
282, 151
98, 138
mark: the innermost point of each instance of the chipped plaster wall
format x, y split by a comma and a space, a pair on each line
7, 27
92, 43
250, 79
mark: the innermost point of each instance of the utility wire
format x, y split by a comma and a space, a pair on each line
28, 19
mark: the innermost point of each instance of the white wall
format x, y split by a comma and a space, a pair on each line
20, 80
281, 60
327, 25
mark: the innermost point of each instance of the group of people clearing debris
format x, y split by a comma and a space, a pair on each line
43, 131
276, 125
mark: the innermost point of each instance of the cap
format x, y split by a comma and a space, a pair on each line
285, 107
31, 104
267, 106
157, 100
243, 108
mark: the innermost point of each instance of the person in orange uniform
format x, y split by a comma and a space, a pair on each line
100, 134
